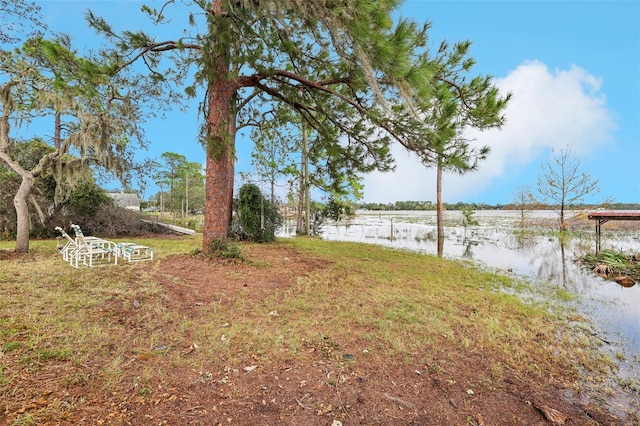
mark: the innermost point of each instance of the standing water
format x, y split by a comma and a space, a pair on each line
498, 242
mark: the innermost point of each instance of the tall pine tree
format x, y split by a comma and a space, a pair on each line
347, 68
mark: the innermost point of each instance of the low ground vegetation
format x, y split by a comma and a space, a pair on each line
87, 205
296, 332
614, 265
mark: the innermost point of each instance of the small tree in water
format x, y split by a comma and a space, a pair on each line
334, 210
468, 217
561, 183
523, 200
256, 218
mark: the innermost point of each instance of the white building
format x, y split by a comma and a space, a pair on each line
127, 201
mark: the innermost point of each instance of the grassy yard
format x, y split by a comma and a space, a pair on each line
301, 332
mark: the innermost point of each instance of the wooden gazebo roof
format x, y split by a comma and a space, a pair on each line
605, 215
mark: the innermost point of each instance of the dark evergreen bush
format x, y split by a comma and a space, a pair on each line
256, 219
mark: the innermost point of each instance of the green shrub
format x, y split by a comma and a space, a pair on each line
224, 250
256, 219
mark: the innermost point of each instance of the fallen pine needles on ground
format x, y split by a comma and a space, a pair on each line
299, 332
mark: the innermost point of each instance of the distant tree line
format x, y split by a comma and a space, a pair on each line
425, 205
428, 205
561, 186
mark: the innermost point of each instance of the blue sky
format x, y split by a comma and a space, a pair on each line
573, 68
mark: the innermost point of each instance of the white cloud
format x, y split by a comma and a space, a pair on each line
548, 110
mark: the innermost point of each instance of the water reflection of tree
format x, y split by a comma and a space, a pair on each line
553, 265
524, 239
563, 238
440, 244
468, 252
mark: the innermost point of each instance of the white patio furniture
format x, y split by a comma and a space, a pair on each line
133, 252
69, 248
92, 251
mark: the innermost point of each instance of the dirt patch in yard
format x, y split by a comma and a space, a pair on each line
331, 380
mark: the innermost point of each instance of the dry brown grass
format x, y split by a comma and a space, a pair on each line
302, 332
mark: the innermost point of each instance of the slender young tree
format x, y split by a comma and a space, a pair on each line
172, 162
459, 104
562, 183
276, 147
347, 68
181, 176
190, 186
285, 148
524, 200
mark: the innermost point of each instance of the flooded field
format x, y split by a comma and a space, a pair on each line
536, 255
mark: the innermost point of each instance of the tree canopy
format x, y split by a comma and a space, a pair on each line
355, 75
19, 19
91, 111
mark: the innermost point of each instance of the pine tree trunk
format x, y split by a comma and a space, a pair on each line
57, 131
220, 163
439, 209
299, 221
307, 195
221, 132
